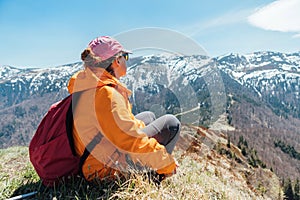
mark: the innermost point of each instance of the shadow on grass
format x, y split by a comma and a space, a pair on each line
73, 188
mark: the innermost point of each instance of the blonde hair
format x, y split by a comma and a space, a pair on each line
91, 60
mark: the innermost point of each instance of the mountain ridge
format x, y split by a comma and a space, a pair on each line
241, 89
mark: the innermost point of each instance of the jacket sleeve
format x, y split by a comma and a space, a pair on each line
118, 125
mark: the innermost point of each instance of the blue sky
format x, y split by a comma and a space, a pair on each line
49, 33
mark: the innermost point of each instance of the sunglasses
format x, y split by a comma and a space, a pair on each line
126, 56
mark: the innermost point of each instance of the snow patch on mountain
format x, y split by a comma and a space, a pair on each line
7, 71
259, 69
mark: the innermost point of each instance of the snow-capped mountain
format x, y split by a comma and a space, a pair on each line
177, 84
274, 76
256, 95
168, 80
17, 85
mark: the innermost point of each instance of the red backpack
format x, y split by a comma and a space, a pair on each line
51, 149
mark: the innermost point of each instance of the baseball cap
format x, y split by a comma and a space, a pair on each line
106, 47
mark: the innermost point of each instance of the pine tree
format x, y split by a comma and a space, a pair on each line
228, 142
297, 190
288, 190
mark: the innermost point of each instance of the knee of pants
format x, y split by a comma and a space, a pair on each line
173, 123
146, 115
150, 114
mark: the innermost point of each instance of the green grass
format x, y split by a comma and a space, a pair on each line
16, 171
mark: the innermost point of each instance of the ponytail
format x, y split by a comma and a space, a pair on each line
91, 60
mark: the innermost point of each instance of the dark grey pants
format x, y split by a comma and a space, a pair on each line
164, 129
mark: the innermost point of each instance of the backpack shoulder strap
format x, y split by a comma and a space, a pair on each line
69, 125
69, 120
88, 149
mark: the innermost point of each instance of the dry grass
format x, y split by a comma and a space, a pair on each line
206, 177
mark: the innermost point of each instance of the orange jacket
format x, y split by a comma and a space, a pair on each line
104, 107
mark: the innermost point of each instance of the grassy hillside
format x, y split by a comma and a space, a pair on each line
203, 174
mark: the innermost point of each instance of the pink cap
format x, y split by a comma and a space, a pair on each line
106, 47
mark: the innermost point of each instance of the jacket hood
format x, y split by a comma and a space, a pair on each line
92, 78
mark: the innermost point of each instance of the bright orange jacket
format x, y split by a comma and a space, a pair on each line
104, 107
